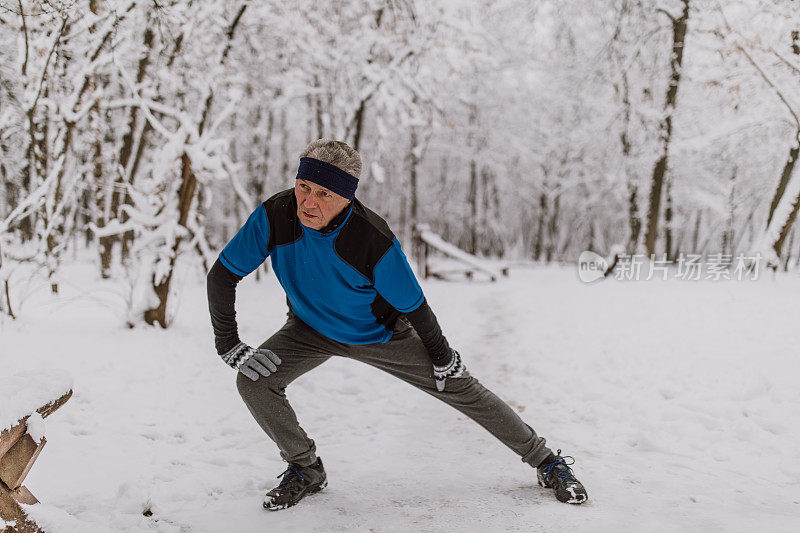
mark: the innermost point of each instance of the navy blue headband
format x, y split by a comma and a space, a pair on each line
329, 176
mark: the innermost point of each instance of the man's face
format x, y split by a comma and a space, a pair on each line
317, 206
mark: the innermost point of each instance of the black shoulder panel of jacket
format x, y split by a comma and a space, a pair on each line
284, 228
364, 240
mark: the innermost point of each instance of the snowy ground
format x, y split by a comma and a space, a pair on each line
679, 401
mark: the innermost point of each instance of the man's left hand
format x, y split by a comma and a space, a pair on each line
453, 369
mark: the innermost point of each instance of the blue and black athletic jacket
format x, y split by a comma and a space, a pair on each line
349, 281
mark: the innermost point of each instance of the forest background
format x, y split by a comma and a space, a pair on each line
142, 133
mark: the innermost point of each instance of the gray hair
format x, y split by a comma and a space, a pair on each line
336, 153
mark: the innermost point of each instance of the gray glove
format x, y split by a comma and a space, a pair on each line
250, 361
453, 369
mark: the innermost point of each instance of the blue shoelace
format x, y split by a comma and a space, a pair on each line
289, 474
565, 472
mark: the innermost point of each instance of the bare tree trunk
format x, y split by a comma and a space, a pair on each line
143, 134
257, 164
562, 250
52, 215
311, 131
360, 121
539, 243
668, 220
696, 233
745, 228
403, 217
86, 208
10, 191
797, 256
552, 229
102, 192
493, 244
284, 147
318, 111
126, 168
794, 150
263, 178
53, 223
590, 245
36, 149
778, 244
727, 235
35, 163
127, 237
788, 254
473, 206
126, 150
660, 168
106, 198
185, 196
473, 179
38, 154
6, 293
634, 218
413, 164
786, 173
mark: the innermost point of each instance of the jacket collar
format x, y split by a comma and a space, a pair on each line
338, 219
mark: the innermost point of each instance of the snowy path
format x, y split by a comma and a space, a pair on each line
679, 401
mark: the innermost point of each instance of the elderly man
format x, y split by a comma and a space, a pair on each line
351, 293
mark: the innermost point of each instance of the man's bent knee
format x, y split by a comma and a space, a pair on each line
249, 389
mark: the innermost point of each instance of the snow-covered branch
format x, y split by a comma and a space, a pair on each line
773, 84
793, 63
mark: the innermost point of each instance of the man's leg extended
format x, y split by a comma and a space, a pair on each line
405, 357
299, 351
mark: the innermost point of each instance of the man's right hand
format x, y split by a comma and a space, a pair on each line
452, 369
250, 361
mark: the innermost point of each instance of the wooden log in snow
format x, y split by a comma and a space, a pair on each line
12, 513
18, 460
18, 452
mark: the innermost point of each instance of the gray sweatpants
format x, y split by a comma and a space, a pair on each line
301, 348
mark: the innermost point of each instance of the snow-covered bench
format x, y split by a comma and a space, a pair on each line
425, 239
25, 400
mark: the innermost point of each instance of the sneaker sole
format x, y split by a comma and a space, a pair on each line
575, 500
311, 490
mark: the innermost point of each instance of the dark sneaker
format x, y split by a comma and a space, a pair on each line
298, 481
558, 475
